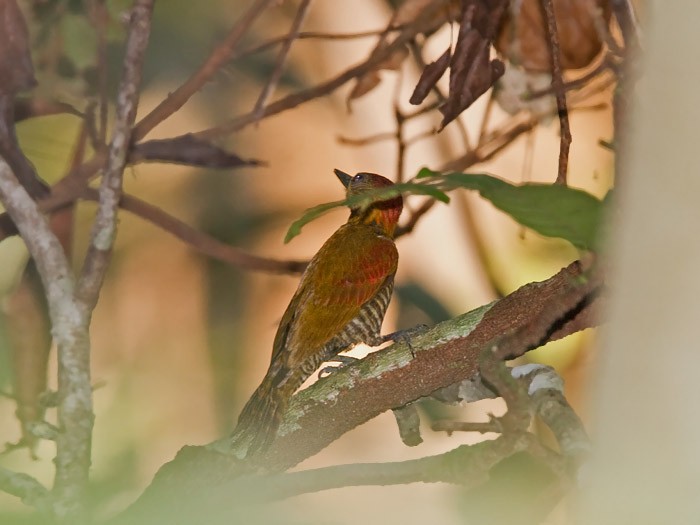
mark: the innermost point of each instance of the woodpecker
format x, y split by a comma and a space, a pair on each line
341, 300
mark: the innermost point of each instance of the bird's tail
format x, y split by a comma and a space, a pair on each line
261, 417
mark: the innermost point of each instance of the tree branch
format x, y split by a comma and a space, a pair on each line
69, 330
105, 225
200, 241
559, 90
388, 378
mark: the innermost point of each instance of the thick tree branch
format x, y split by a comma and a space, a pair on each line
69, 330
389, 378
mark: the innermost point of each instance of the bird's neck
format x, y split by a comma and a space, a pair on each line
383, 215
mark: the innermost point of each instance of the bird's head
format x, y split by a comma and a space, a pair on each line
385, 214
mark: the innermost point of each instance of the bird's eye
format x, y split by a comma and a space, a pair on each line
359, 177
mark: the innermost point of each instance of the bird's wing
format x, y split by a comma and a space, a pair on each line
349, 270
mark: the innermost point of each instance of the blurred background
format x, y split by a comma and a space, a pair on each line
179, 340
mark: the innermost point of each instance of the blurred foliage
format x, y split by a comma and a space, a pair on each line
515, 493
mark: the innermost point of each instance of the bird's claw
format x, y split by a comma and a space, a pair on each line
406, 336
342, 360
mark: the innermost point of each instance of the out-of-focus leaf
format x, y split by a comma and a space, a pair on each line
365, 199
16, 69
552, 210
79, 40
429, 77
413, 295
523, 35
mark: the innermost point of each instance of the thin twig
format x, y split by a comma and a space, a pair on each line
324, 88
573, 84
104, 227
466, 426
276, 74
366, 141
25, 487
560, 93
306, 35
221, 54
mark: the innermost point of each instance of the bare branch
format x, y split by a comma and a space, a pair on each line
201, 241
104, 228
324, 88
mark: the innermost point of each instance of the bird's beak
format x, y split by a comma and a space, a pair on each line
344, 177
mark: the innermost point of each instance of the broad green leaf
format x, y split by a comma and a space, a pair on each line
549, 209
310, 215
365, 199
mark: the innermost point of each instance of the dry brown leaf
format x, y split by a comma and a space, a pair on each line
28, 330
430, 76
188, 150
472, 72
523, 36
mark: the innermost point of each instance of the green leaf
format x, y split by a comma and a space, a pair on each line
552, 210
310, 215
365, 199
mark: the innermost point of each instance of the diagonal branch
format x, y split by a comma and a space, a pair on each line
282, 57
199, 240
385, 379
218, 58
25, 487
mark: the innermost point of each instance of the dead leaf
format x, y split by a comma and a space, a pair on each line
413, 17
472, 72
523, 36
430, 76
28, 330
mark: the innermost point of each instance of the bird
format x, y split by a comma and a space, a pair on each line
340, 301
